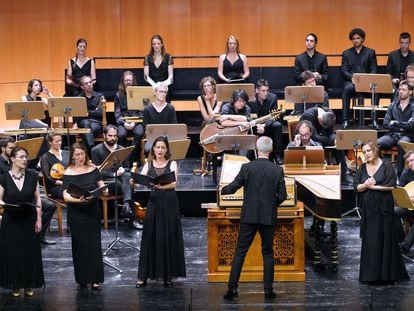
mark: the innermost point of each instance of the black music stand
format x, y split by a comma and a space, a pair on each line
67, 107
353, 139
224, 92
304, 94
24, 111
138, 97
114, 161
233, 143
32, 146
372, 83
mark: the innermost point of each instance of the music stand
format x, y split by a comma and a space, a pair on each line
224, 92
18, 110
372, 83
234, 143
138, 97
353, 139
169, 131
406, 146
113, 161
304, 94
67, 107
178, 149
32, 146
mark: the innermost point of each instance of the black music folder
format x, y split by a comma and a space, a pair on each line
9, 207
77, 191
148, 181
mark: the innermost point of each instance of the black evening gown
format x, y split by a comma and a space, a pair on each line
21, 257
381, 259
162, 246
84, 220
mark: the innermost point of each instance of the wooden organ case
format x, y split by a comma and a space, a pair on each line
223, 222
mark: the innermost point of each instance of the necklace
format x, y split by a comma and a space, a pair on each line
17, 177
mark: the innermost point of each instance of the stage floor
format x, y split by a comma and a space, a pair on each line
325, 291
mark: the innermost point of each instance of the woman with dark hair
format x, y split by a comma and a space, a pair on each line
158, 64
20, 254
207, 101
381, 260
233, 66
79, 66
53, 163
162, 246
84, 219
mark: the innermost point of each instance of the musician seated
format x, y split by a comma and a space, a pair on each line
94, 119
121, 176
399, 120
407, 176
53, 164
207, 101
307, 78
122, 111
34, 90
303, 136
159, 112
236, 112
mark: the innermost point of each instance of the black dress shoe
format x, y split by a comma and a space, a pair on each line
47, 242
270, 295
231, 293
345, 124
126, 211
168, 284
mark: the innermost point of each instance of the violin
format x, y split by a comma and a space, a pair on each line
57, 170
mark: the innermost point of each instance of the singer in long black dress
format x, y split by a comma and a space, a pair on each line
381, 259
84, 219
20, 254
162, 246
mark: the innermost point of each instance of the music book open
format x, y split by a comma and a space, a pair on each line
402, 195
148, 181
77, 191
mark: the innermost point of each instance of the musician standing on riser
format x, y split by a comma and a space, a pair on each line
264, 103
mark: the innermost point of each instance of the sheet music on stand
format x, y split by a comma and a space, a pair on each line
138, 97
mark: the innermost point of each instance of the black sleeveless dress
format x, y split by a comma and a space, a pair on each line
20, 252
77, 73
235, 70
162, 246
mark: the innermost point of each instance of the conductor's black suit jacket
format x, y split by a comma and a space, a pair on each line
264, 190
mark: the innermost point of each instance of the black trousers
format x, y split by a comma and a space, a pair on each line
244, 241
48, 209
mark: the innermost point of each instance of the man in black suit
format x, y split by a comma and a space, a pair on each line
264, 189
358, 59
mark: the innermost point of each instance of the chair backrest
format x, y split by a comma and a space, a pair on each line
292, 123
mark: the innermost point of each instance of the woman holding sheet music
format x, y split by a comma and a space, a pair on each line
20, 254
162, 246
381, 260
84, 219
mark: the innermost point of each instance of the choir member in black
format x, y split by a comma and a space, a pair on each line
398, 60
266, 102
20, 254
160, 111
407, 176
323, 121
100, 153
79, 66
233, 66
307, 78
264, 189
158, 64
313, 61
121, 110
94, 119
358, 59
34, 89
84, 219
207, 101
399, 120
48, 208
54, 162
381, 260
162, 246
